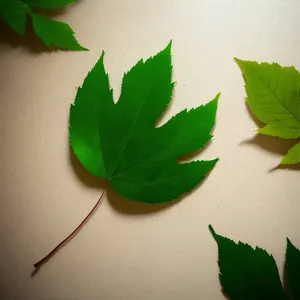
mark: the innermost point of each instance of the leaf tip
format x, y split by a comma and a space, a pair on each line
282, 162
285, 161
237, 60
169, 46
212, 231
216, 99
214, 161
80, 48
214, 102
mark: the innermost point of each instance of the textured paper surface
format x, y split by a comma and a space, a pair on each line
128, 250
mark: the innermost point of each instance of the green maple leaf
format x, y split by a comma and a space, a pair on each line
120, 141
247, 273
273, 95
52, 33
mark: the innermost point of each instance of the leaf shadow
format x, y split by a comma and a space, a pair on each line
225, 295
274, 145
34, 273
32, 42
285, 167
270, 143
130, 207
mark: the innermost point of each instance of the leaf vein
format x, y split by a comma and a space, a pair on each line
131, 129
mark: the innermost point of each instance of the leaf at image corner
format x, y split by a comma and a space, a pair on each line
48, 4
54, 33
273, 95
14, 13
119, 141
293, 156
247, 273
293, 269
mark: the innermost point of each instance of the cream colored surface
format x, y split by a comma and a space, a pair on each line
127, 250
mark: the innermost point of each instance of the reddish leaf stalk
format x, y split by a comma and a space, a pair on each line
70, 236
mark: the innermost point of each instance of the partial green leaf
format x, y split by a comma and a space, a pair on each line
279, 131
293, 156
273, 95
293, 269
48, 4
14, 13
247, 273
120, 141
54, 33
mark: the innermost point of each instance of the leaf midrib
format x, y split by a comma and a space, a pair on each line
279, 100
151, 156
130, 131
98, 135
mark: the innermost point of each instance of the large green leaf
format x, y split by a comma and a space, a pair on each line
48, 4
120, 141
247, 273
14, 13
54, 33
293, 269
273, 95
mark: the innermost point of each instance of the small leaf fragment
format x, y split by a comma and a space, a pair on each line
293, 156
247, 273
48, 4
54, 33
14, 13
293, 269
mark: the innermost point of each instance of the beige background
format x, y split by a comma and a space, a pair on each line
128, 250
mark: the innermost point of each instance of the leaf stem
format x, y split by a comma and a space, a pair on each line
70, 236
